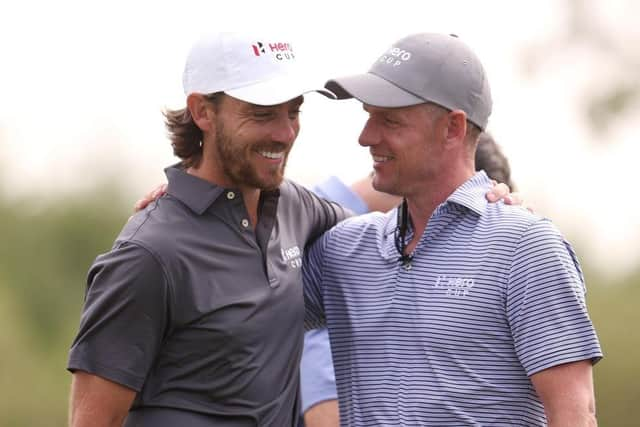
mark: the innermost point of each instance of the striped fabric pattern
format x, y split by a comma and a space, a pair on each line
494, 294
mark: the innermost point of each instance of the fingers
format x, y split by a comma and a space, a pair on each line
502, 191
513, 199
150, 197
140, 204
497, 192
516, 199
161, 191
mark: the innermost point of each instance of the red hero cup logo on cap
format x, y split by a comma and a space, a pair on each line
258, 48
280, 51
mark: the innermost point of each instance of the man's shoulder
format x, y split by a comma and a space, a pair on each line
369, 224
295, 195
157, 227
293, 191
518, 224
510, 217
297, 201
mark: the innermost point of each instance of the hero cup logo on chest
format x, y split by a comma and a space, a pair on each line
292, 256
454, 286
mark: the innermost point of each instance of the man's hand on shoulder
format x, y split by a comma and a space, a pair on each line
501, 191
150, 197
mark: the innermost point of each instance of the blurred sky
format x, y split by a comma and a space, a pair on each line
83, 84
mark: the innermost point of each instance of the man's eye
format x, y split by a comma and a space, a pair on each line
262, 115
390, 122
293, 114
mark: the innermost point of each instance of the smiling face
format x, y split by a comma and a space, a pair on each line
406, 145
253, 142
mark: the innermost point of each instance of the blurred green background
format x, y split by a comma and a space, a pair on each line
48, 246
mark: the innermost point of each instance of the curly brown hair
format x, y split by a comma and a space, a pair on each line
184, 133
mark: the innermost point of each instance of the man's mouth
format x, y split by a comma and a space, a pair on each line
380, 159
272, 154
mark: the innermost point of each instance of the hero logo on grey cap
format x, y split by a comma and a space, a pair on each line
419, 68
395, 56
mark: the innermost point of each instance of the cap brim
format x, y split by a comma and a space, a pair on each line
372, 90
277, 90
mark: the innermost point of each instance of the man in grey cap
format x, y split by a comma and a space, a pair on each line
317, 377
447, 310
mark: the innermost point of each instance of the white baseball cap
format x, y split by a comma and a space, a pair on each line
254, 69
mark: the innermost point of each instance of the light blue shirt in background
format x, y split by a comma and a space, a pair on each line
317, 378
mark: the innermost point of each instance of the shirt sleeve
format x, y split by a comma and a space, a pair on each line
317, 377
318, 213
335, 190
546, 304
312, 272
124, 317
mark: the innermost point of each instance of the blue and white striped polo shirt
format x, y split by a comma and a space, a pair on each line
494, 295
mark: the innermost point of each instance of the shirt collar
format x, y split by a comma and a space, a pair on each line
471, 194
197, 194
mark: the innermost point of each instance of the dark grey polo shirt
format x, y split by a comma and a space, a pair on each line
199, 313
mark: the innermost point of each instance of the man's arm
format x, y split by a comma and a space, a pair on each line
373, 200
566, 392
123, 321
553, 336
318, 381
383, 202
97, 402
323, 414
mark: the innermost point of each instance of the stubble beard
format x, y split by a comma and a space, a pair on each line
383, 186
236, 164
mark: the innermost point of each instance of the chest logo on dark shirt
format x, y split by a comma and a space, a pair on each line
292, 256
454, 286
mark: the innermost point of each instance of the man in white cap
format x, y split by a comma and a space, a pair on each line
447, 310
194, 317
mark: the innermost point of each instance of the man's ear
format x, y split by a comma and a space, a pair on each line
201, 112
456, 126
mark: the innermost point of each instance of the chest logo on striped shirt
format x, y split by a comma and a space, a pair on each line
292, 256
454, 286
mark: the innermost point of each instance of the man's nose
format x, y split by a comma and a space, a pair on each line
285, 130
369, 135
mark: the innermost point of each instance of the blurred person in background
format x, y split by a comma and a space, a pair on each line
446, 310
195, 315
489, 158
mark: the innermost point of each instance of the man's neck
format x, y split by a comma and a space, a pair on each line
422, 204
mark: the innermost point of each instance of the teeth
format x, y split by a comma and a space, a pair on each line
380, 158
272, 155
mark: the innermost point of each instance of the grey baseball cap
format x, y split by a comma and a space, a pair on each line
420, 68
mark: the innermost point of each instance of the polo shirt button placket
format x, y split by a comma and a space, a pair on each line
231, 195
245, 223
